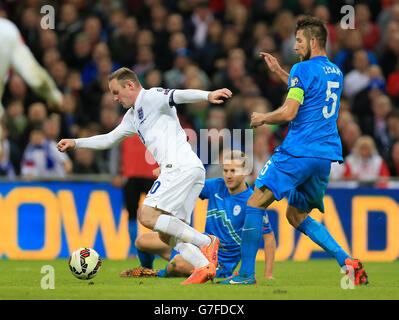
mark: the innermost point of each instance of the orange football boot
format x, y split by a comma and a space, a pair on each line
360, 275
211, 251
201, 275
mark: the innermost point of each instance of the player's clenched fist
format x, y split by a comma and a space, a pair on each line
257, 119
66, 144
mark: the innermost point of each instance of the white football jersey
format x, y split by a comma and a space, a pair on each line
154, 119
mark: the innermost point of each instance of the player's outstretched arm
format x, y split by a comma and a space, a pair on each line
98, 142
285, 113
275, 67
194, 95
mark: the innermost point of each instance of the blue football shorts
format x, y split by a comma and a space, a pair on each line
302, 181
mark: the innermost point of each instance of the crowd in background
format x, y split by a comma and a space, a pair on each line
204, 45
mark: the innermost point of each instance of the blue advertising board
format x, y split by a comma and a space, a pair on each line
46, 220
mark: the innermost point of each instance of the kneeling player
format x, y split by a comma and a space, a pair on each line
225, 218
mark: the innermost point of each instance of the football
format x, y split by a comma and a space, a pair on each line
85, 263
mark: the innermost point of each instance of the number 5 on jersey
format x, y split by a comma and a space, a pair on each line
333, 96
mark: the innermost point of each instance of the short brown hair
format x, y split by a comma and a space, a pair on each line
230, 155
122, 75
313, 28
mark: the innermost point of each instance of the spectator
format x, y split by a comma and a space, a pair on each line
266, 10
365, 164
231, 77
90, 71
394, 160
84, 162
144, 61
50, 57
369, 30
362, 101
18, 91
81, 54
123, 43
116, 21
345, 117
92, 28
357, 79
392, 121
37, 114
153, 79
350, 134
377, 126
352, 42
92, 93
52, 127
9, 157
30, 31
48, 40
199, 23
389, 57
68, 27
72, 114
16, 121
42, 159
174, 78
393, 84
59, 72
323, 13
212, 49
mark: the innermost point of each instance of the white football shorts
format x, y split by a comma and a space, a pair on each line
176, 191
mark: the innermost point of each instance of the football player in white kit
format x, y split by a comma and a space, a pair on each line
15, 54
168, 205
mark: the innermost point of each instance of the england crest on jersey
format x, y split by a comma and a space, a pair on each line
140, 113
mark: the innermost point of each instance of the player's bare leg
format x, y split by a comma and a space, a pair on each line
150, 242
261, 198
295, 216
270, 250
178, 267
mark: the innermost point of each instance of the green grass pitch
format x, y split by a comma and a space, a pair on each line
310, 280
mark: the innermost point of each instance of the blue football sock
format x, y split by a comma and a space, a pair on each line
146, 259
251, 236
164, 273
133, 235
172, 254
320, 235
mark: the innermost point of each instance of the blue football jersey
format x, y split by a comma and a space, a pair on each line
226, 214
313, 132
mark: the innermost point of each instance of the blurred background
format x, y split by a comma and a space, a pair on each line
196, 44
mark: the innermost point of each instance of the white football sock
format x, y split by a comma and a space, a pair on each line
192, 254
182, 231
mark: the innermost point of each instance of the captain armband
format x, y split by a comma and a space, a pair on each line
296, 94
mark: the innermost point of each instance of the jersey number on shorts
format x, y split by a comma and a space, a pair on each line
333, 96
155, 187
265, 167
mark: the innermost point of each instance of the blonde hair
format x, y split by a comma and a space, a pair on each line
230, 155
362, 140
